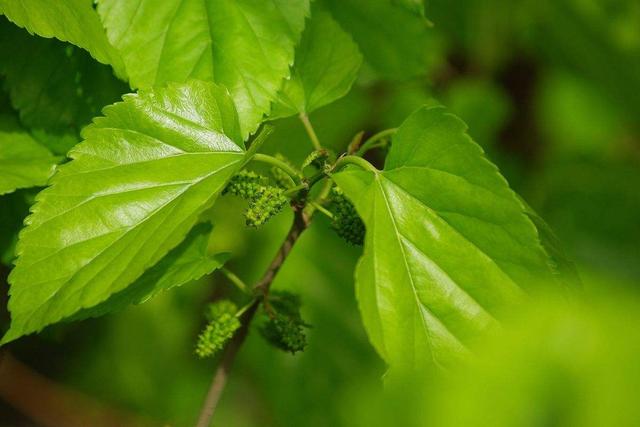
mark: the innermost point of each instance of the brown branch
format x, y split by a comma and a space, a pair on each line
300, 223
50, 404
224, 367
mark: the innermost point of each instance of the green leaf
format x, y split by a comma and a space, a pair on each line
415, 6
24, 163
245, 45
326, 65
185, 263
73, 21
14, 208
563, 267
134, 188
58, 144
53, 85
448, 248
392, 39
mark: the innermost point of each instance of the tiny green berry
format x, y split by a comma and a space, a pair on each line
268, 202
285, 332
346, 221
216, 334
246, 184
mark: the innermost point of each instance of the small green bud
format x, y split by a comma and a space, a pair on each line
317, 161
216, 334
285, 332
346, 221
246, 184
267, 203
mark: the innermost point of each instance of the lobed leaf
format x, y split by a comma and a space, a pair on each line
448, 248
73, 21
327, 61
133, 190
245, 45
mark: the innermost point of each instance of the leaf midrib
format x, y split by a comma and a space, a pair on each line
399, 238
187, 187
461, 235
406, 266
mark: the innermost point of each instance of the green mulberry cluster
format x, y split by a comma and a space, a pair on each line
223, 323
285, 329
285, 333
246, 184
218, 308
346, 221
265, 200
267, 203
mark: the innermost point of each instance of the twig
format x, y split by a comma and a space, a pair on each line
224, 367
300, 223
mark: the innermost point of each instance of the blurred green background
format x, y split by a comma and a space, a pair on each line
551, 90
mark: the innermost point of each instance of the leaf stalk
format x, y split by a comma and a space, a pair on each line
371, 142
282, 165
310, 131
354, 160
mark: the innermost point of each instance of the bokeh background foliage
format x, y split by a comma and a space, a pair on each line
550, 89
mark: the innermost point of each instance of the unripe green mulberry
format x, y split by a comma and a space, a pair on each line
285, 332
218, 308
346, 221
267, 203
265, 200
216, 334
246, 184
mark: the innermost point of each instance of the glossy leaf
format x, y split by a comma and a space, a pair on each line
53, 85
326, 65
392, 39
73, 21
185, 263
448, 248
246, 45
24, 162
134, 188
